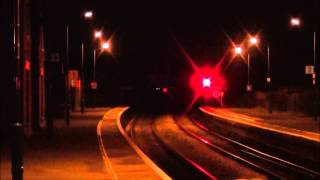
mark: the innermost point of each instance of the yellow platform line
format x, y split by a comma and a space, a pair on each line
280, 129
104, 153
144, 157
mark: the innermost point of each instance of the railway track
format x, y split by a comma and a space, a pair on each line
178, 165
171, 161
274, 167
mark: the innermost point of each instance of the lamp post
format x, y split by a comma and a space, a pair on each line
17, 127
67, 88
252, 42
88, 15
82, 79
269, 80
314, 77
296, 22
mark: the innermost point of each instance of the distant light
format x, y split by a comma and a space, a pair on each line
253, 41
27, 65
88, 14
295, 22
42, 71
165, 90
106, 45
206, 82
238, 50
97, 34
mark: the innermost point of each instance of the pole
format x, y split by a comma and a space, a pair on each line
94, 77
248, 68
82, 78
17, 139
248, 85
94, 64
269, 82
67, 103
314, 77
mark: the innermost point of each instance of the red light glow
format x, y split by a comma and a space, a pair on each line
207, 82
27, 65
165, 90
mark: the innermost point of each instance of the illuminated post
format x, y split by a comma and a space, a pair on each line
17, 133
296, 22
94, 64
87, 15
248, 69
269, 80
314, 77
67, 90
252, 42
82, 78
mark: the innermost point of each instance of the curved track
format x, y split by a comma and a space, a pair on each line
274, 167
178, 165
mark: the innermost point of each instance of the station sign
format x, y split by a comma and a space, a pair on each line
309, 69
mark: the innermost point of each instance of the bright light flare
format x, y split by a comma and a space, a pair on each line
106, 45
88, 14
206, 82
97, 34
253, 41
295, 21
237, 50
165, 90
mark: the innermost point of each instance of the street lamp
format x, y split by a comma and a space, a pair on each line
88, 14
97, 34
269, 80
105, 45
253, 41
238, 50
296, 22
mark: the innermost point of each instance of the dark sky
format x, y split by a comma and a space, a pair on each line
144, 31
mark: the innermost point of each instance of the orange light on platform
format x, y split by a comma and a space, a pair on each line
237, 50
253, 41
105, 45
27, 65
97, 34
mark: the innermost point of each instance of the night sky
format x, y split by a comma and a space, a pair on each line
145, 37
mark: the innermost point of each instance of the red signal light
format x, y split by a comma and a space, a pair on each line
165, 90
206, 82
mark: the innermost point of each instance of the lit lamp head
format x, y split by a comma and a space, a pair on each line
253, 41
88, 14
295, 21
237, 50
97, 34
105, 45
